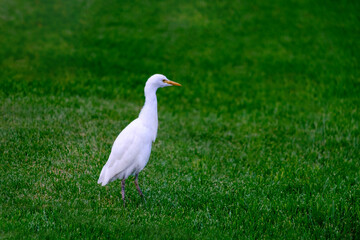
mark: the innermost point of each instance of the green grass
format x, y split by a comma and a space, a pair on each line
261, 142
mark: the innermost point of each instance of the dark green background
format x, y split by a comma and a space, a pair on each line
261, 142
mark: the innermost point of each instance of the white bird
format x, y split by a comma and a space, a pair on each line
131, 149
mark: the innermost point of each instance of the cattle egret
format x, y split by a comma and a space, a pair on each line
131, 149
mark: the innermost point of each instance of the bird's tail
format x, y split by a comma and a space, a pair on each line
102, 178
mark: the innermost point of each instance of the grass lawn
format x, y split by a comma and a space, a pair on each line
261, 142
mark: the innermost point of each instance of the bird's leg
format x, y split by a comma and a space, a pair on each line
137, 185
123, 190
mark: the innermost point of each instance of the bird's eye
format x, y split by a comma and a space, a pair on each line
164, 80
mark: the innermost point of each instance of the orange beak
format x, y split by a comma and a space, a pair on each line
172, 83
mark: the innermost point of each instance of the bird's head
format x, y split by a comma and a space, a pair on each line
159, 81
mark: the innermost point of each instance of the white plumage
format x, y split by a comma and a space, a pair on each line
131, 149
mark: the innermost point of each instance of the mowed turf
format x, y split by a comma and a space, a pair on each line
261, 142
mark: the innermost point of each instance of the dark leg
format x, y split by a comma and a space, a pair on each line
123, 190
137, 186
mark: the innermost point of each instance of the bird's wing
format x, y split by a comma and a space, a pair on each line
127, 146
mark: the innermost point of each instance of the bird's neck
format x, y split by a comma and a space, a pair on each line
148, 113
